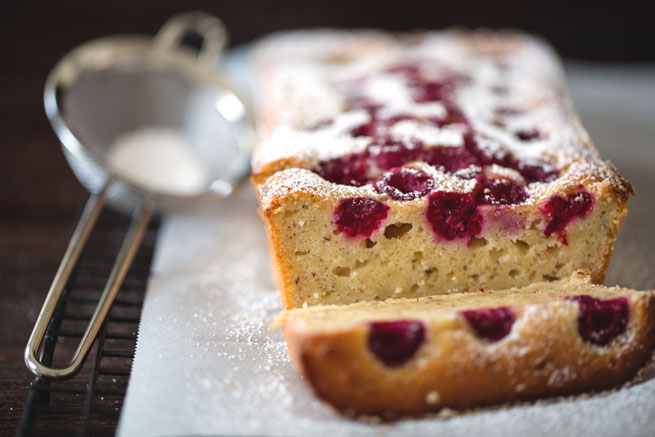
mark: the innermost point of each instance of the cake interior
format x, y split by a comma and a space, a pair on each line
403, 258
335, 318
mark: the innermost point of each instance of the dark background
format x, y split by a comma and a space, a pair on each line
40, 199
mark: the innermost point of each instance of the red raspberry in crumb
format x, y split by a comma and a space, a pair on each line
454, 215
560, 211
601, 320
397, 341
404, 184
360, 216
492, 324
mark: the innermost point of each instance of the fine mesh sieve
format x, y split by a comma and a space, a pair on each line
103, 98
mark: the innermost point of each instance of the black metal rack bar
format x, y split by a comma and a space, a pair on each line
90, 402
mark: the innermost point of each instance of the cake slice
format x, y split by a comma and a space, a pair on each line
461, 351
427, 163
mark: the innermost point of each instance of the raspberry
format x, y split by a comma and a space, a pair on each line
560, 211
501, 192
345, 170
395, 342
491, 324
391, 154
360, 216
601, 320
404, 184
454, 215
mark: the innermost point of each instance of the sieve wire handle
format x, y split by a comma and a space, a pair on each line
209, 28
94, 205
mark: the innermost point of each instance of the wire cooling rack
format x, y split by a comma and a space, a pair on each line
90, 402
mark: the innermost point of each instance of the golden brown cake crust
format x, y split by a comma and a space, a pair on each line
305, 78
543, 356
332, 104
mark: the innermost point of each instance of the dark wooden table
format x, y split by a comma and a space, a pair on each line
39, 197
39, 202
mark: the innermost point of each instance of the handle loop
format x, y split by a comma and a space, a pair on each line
90, 214
210, 28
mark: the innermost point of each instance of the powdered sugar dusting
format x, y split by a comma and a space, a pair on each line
206, 362
420, 110
428, 134
388, 90
310, 147
449, 181
508, 86
498, 171
293, 182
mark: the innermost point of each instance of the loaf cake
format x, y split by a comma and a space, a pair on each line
402, 166
466, 350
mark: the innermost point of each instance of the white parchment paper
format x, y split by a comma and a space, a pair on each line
207, 364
